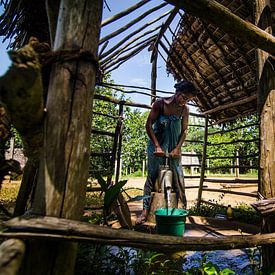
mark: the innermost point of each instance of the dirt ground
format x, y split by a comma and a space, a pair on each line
215, 197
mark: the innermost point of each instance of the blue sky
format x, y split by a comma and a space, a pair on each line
136, 71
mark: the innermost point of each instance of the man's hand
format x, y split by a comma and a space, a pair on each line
159, 152
175, 153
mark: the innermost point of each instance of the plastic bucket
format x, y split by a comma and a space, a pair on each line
171, 221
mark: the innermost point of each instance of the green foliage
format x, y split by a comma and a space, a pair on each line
93, 259
243, 212
100, 143
134, 139
208, 268
111, 192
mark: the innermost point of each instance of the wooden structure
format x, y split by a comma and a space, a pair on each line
215, 48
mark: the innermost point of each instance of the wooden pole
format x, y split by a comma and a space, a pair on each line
11, 255
266, 103
214, 12
64, 166
203, 162
154, 75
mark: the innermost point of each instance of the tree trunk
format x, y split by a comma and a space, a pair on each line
63, 169
266, 102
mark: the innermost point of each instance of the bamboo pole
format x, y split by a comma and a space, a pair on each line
234, 141
154, 62
131, 23
234, 129
239, 102
230, 192
125, 48
214, 12
130, 35
125, 57
123, 13
203, 162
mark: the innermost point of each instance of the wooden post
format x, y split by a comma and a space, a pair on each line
237, 170
11, 255
64, 166
266, 102
203, 162
154, 74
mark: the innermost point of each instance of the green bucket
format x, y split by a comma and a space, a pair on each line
171, 221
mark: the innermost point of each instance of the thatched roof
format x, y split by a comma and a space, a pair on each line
221, 66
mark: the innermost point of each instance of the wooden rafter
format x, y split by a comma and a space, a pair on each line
129, 36
131, 23
123, 13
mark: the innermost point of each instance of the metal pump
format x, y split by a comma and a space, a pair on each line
165, 180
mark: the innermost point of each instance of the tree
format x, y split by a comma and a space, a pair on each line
134, 139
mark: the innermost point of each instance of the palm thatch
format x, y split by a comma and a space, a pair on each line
222, 66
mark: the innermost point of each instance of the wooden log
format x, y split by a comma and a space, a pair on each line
266, 105
265, 207
11, 255
64, 166
52, 228
216, 13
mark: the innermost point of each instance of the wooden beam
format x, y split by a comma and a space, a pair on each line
130, 24
232, 104
123, 13
212, 11
51, 228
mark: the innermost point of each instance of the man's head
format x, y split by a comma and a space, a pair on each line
185, 91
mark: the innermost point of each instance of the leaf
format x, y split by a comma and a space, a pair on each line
112, 193
227, 271
138, 198
102, 183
